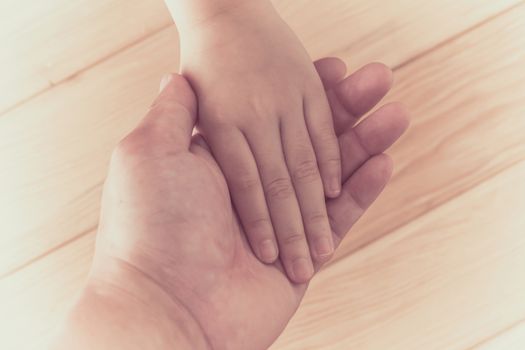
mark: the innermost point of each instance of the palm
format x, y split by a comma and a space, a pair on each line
187, 236
215, 250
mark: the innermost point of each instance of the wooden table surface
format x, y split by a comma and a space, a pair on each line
437, 263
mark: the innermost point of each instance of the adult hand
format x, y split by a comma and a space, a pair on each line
168, 226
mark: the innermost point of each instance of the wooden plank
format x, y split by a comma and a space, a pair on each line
59, 184
444, 281
34, 300
510, 339
44, 42
390, 31
467, 104
54, 39
56, 146
52, 188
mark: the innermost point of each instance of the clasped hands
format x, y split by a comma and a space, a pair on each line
208, 241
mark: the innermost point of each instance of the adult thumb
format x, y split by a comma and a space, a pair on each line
174, 111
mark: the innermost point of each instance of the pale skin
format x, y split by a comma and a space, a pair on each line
173, 268
266, 118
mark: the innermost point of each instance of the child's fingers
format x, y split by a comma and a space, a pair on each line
282, 203
358, 94
240, 170
302, 165
320, 127
357, 194
372, 136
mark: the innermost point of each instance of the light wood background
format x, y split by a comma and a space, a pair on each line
437, 263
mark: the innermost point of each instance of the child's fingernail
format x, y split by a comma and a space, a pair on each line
302, 269
268, 250
324, 247
165, 81
335, 188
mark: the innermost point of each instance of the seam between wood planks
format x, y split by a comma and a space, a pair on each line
332, 262
151, 34
497, 334
429, 210
82, 70
458, 35
396, 68
48, 252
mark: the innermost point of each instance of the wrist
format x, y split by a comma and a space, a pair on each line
190, 14
120, 307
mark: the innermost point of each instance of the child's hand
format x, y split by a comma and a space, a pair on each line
263, 110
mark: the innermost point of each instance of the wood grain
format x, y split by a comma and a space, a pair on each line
34, 300
436, 283
57, 146
443, 281
445, 276
56, 176
512, 338
48, 41
51, 41
467, 104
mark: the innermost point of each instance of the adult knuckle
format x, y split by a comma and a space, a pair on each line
166, 108
162, 115
356, 196
347, 140
139, 144
279, 188
128, 148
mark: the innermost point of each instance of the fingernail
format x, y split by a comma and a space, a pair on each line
324, 247
166, 78
268, 250
335, 188
302, 269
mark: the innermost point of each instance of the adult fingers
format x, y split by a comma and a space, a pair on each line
372, 136
357, 194
356, 95
169, 122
